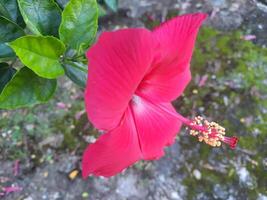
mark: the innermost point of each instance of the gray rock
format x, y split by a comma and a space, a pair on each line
261, 197
246, 179
126, 186
220, 192
218, 3
197, 174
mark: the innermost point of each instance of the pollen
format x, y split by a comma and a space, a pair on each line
210, 133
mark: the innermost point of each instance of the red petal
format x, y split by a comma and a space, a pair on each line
162, 87
155, 127
117, 64
170, 73
113, 151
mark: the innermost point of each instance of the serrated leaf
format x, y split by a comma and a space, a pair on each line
77, 72
112, 4
42, 17
10, 10
6, 73
26, 89
79, 24
8, 31
41, 54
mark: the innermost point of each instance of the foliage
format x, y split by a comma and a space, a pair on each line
78, 27
41, 18
8, 31
44, 63
19, 91
7, 73
54, 41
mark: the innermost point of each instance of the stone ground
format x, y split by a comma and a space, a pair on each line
157, 180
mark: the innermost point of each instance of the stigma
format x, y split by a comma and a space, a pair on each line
210, 133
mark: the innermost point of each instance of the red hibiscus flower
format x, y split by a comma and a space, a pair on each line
134, 74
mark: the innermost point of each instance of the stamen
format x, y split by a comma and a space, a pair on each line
210, 132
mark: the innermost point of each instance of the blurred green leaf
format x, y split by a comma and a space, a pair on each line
79, 24
10, 10
101, 11
62, 3
6, 73
42, 17
41, 54
77, 72
8, 32
112, 4
26, 89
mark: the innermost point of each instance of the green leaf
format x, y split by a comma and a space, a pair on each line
44, 88
10, 10
41, 54
42, 17
101, 11
26, 89
6, 73
79, 24
112, 4
77, 72
62, 3
8, 31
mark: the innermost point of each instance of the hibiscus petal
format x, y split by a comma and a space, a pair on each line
163, 88
177, 36
113, 151
155, 127
170, 73
117, 64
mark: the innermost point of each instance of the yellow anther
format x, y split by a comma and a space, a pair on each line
212, 134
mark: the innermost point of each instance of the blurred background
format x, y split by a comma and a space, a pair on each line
41, 147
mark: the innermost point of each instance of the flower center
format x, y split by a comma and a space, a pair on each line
135, 99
